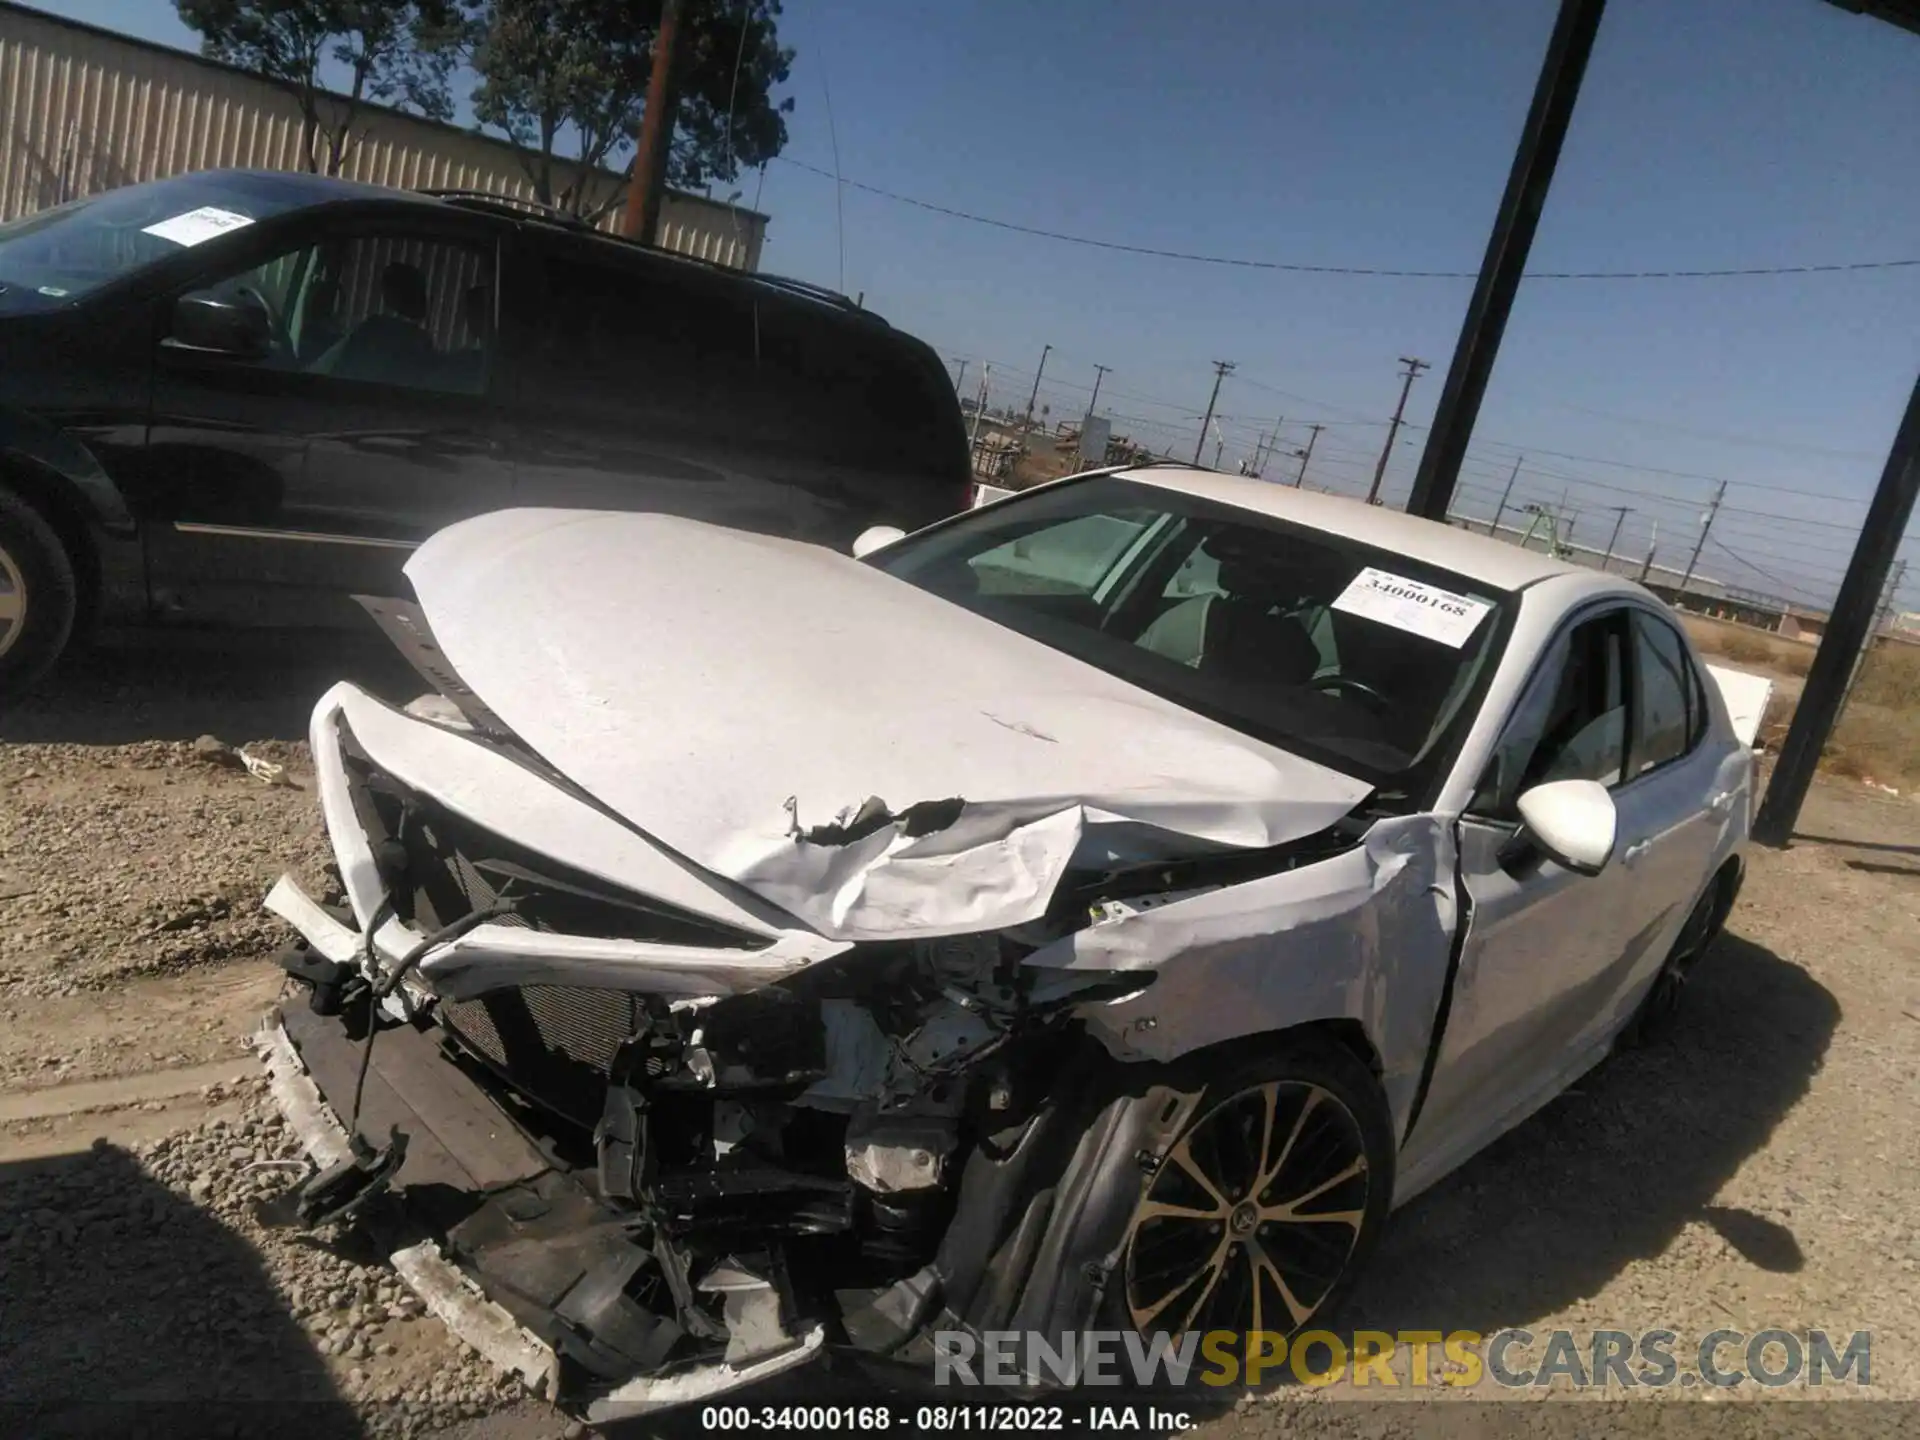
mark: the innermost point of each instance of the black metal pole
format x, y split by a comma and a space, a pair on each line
1847, 630
1507, 250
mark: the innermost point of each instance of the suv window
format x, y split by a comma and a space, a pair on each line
617, 338
1668, 714
398, 310
1571, 724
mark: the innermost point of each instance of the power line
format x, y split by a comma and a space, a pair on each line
1383, 272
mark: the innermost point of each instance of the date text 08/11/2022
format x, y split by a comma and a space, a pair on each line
976, 1419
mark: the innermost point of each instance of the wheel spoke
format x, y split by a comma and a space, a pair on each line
1261, 1265
1270, 1173
1183, 1157
1162, 1210
1215, 1265
12, 603
1290, 1210
1214, 1271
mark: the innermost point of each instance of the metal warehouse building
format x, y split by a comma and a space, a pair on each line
84, 109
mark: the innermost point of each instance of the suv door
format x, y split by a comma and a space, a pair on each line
286, 482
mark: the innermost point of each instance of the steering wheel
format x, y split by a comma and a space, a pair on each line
280, 337
1346, 683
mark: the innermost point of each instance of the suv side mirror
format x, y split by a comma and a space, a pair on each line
1572, 821
222, 325
874, 537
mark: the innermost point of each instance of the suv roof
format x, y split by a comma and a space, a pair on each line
328, 189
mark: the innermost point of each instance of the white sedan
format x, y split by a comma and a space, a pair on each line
1099, 909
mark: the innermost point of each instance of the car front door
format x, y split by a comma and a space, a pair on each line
1545, 946
280, 483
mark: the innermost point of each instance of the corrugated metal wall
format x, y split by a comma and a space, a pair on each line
82, 110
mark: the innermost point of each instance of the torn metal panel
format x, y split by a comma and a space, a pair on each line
1355, 937
730, 734
496, 793
661, 1392
441, 1287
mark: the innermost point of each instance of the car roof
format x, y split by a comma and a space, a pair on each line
1491, 562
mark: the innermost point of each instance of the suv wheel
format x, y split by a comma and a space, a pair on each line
38, 597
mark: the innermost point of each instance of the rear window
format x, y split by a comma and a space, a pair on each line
857, 392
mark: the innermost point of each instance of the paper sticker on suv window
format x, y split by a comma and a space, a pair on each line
198, 226
1408, 605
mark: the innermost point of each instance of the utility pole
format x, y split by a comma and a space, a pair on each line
973, 440
960, 380
1099, 374
647, 185
1653, 545
1706, 524
1263, 447
1045, 350
1528, 182
1494, 529
1221, 369
1619, 520
1895, 578
1313, 434
1414, 367
1873, 556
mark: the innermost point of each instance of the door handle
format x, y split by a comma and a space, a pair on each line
1634, 851
1721, 802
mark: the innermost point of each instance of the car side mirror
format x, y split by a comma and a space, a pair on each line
874, 537
222, 325
1572, 821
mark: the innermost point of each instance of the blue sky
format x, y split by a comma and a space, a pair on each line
1377, 133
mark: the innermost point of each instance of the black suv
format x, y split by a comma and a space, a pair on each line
241, 397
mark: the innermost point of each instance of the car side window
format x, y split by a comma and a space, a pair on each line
400, 310
1668, 713
1571, 722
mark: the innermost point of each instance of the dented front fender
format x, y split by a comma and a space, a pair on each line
1362, 936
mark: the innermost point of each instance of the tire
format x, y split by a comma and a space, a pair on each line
38, 595
1195, 1217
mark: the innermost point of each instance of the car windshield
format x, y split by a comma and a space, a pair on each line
1359, 658
58, 255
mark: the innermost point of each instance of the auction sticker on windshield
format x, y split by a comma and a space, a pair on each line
196, 227
1408, 605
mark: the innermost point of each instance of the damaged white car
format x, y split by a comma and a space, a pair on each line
1097, 910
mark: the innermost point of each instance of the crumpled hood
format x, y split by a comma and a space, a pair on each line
738, 697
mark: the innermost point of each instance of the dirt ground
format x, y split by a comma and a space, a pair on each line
1755, 1170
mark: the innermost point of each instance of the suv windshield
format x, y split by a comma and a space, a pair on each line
57, 255
1359, 658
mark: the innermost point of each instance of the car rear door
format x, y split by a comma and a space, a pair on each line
287, 483
1670, 812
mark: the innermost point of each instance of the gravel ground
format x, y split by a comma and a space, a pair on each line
1757, 1169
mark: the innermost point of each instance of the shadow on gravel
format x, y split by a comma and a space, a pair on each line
180, 685
1612, 1171
127, 1312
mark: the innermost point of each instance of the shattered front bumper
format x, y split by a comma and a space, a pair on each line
459, 1139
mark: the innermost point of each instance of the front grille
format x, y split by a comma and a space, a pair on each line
555, 1044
